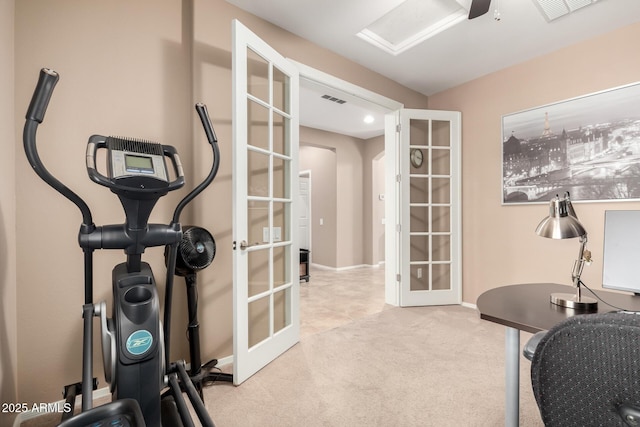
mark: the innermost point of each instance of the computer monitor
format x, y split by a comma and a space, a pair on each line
621, 254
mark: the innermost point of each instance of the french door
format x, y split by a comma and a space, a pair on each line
427, 211
265, 188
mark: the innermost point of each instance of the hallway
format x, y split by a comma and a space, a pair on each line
334, 298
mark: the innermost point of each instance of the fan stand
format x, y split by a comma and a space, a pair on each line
200, 374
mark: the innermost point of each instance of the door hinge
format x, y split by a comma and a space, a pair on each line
397, 278
398, 128
398, 178
399, 228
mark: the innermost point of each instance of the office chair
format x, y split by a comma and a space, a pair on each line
586, 371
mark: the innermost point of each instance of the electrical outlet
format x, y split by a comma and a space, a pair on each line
419, 273
265, 234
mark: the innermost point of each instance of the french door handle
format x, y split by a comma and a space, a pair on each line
244, 245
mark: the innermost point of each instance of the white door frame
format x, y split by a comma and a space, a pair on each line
391, 164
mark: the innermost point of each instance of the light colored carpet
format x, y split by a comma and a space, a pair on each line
438, 366
363, 363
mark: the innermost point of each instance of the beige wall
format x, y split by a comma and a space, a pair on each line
8, 326
499, 243
322, 163
139, 81
133, 81
343, 182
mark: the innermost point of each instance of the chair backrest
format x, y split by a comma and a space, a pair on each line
586, 371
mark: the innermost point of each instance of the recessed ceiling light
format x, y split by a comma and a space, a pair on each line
368, 119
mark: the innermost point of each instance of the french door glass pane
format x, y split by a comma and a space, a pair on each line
281, 309
258, 271
441, 274
441, 133
440, 161
281, 217
280, 134
441, 190
258, 220
441, 219
257, 174
259, 320
419, 189
281, 265
281, 91
419, 218
419, 132
257, 125
280, 172
419, 248
441, 248
419, 277
257, 76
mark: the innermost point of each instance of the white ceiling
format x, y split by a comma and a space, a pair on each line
464, 52
347, 119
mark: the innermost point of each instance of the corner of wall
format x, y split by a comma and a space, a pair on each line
8, 315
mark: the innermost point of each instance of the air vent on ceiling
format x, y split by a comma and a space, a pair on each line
333, 99
554, 9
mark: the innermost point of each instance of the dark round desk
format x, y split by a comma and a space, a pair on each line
528, 307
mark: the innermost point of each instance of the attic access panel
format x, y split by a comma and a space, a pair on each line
412, 22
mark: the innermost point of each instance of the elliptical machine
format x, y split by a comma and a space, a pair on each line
135, 344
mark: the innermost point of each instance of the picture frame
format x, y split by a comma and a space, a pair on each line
588, 146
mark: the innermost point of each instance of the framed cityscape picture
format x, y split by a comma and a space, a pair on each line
588, 146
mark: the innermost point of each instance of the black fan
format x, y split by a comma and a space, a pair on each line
195, 251
479, 8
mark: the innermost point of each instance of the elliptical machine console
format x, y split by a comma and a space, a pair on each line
134, 341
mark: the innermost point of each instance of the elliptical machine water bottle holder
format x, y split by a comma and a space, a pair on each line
135, 341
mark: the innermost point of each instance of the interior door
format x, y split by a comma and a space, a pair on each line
304, 213
265, 187
429, 227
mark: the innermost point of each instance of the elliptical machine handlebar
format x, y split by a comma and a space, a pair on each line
97, 142
35, 115
213, 140
206, 123
42, 94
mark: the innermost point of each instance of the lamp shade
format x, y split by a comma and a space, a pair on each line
560, 224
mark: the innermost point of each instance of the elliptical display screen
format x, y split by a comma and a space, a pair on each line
130, 158
140, 164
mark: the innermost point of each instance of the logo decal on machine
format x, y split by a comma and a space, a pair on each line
139, 342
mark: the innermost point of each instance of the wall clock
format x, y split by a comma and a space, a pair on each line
416, 157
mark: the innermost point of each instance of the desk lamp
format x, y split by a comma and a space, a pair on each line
562, 223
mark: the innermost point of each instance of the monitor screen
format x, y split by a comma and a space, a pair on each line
621, 254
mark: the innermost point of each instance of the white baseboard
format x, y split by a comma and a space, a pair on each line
469, 305
225, 361
350, 267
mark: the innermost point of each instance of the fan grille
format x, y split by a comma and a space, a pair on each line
196, 249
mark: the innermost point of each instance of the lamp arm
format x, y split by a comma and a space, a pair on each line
578, 265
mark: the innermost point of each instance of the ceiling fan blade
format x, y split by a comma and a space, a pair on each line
479, 8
